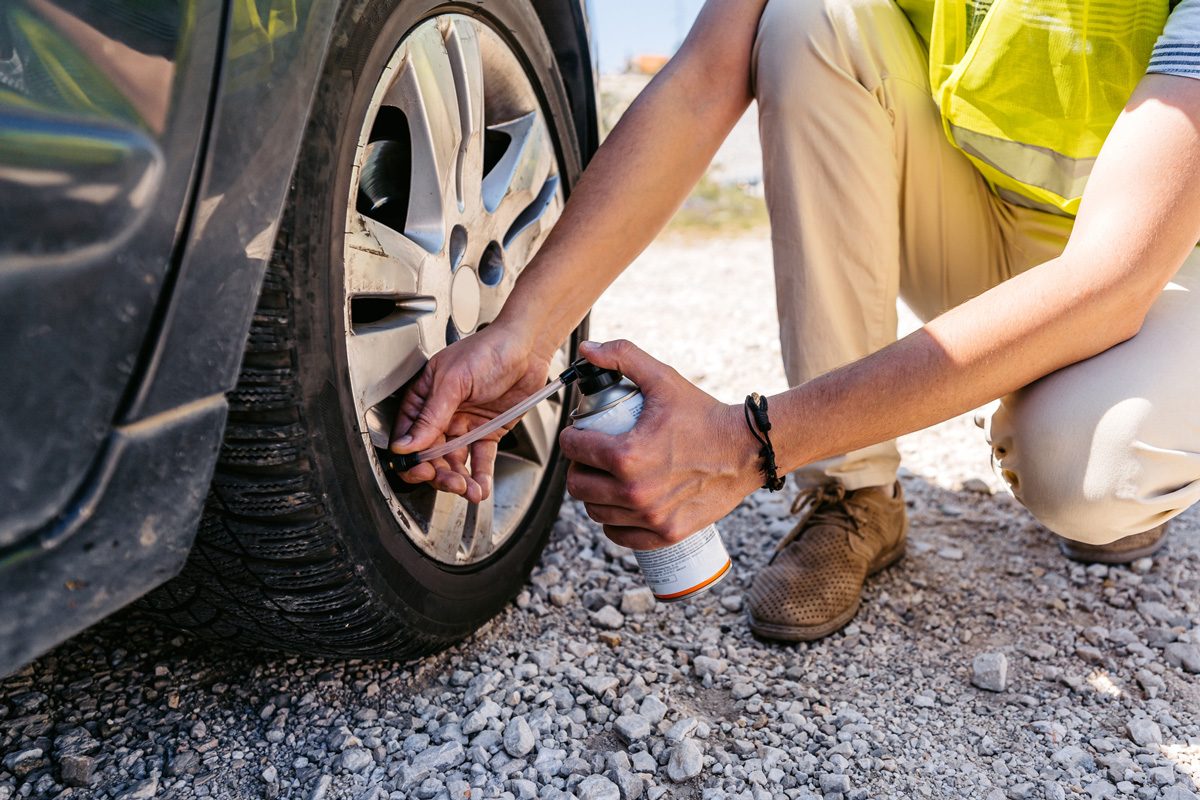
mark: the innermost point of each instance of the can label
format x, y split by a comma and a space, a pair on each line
687, 567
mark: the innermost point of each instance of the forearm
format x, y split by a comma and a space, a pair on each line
993, 344
641, 174
635, 182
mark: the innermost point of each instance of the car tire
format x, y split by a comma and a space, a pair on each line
301, 547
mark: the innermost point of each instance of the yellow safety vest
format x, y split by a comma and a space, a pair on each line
1029, 89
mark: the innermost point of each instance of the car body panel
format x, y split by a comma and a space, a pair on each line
124, 515
103, 109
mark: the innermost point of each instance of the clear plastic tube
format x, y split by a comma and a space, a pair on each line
410, 460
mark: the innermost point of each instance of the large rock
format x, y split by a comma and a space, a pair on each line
597, 787
989, 671
1143, 732
1183, 655
686, 761
77, 770
653, 709
355, 759
632, 727
609, 617
703, 665
638, 601
518, 737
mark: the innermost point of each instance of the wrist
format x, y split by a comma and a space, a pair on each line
516, 331
742, 459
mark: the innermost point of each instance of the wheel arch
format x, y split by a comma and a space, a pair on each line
568, 27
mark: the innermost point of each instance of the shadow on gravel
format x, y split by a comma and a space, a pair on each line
1097, 671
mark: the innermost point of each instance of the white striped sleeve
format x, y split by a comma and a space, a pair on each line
1177, 51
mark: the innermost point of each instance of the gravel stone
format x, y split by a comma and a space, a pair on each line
442, 757
644, 762
1143, 732
1185, 656
597, 787
741, 691
609, 617
143, 790
703, 665
20, 762
834, 783
77, 770
321, 788
686, 761
638, 601
632, 727
653, 709
629, 786
1074, 758
355, 759
682, 729
518, 737
989, 671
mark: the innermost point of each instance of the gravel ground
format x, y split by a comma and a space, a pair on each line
586, 689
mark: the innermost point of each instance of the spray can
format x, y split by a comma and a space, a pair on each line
611, 403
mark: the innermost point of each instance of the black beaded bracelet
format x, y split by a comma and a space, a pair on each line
760, 428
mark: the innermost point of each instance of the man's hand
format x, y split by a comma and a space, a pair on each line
689, 460
463, 386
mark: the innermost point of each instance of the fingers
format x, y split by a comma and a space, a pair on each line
428, 406
612, 515
594, 486
634, 538
630, 360
600, 450
483, 466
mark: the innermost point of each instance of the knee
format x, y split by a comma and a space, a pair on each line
790, 33
1080, 476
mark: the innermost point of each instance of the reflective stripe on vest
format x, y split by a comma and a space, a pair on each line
1029, 89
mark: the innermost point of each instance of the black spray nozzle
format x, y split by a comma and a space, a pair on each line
402, 462
591, 378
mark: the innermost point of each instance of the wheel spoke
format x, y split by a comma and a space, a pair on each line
379, 261
424, 90
532, 226
447, 526
534, 435
521, 172
479, 529
384, 355
466, 65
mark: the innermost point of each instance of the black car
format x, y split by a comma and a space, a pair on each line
230, 232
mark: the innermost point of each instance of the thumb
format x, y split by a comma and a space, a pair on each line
628, 359
430, 415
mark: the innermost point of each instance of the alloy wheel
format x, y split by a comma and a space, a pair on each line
455, 184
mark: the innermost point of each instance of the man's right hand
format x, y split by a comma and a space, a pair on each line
462, 387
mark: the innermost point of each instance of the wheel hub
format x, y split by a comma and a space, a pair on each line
464, 300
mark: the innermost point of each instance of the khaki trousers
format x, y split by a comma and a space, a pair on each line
868, 201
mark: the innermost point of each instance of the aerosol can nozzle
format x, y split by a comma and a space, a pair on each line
591, 378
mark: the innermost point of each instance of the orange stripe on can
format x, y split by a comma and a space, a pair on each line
698, 586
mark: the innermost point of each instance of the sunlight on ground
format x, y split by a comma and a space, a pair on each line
1186, 758
1102, 682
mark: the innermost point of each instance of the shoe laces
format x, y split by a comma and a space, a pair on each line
825, 504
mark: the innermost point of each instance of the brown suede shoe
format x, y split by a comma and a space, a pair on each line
813, 584
1122, 551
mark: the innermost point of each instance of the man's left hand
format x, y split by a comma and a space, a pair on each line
688, 462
